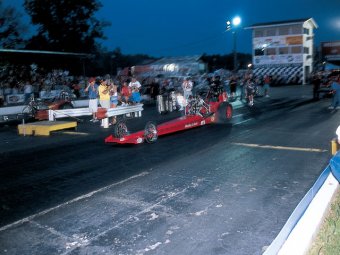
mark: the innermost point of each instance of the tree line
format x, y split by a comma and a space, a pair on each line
71, 26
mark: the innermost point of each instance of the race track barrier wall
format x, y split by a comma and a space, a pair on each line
297, 234
19, 108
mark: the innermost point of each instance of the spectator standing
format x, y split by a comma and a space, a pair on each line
113, 99
316, 86
233, 87
15, 89
251, 88
28, 90
2, 96
113, 95
242, 86
125, 93
76, 88
92, 90
335, 85
154, 89
104, 96
7, 90
135, 86
266, 85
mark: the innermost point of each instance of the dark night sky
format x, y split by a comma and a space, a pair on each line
191, 27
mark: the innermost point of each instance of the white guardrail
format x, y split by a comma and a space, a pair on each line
77, 112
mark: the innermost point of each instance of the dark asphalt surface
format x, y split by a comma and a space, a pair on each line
210, 190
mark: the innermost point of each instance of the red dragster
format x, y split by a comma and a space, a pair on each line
38, 108
198, 112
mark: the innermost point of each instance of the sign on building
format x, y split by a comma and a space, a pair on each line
331, 50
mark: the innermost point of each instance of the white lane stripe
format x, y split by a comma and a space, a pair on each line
31, 217
238, 115
74, 133
238, 123
279, 147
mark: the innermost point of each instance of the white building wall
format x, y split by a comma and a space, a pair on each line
308, 42
281, 57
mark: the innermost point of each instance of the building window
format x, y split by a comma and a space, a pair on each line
296, 30
306, 50
296, 50
306, 31
259, 52
283, 50
271, 51
258, 33
284, 30
271, 32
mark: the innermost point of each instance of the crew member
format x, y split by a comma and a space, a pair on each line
113, 99
216, 88
187, 86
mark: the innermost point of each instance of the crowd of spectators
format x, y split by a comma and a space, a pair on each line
34, 79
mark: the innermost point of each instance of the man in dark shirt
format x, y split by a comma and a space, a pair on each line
216, 87
316, 86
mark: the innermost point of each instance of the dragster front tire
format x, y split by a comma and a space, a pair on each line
225, 112
150, 132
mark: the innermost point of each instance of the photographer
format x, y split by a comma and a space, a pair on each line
92, 90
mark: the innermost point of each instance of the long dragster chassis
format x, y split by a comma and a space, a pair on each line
198, 112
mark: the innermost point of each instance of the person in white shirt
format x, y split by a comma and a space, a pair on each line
135, 86
187, 86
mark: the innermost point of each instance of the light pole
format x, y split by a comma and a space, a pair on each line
232, 26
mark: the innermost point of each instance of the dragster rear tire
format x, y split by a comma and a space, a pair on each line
225, 112
150, 132
120, 129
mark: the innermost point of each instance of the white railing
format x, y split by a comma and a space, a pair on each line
78, 112
121, 110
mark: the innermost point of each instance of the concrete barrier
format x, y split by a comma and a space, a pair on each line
297, 234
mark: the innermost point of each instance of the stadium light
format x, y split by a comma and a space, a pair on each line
236, 21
